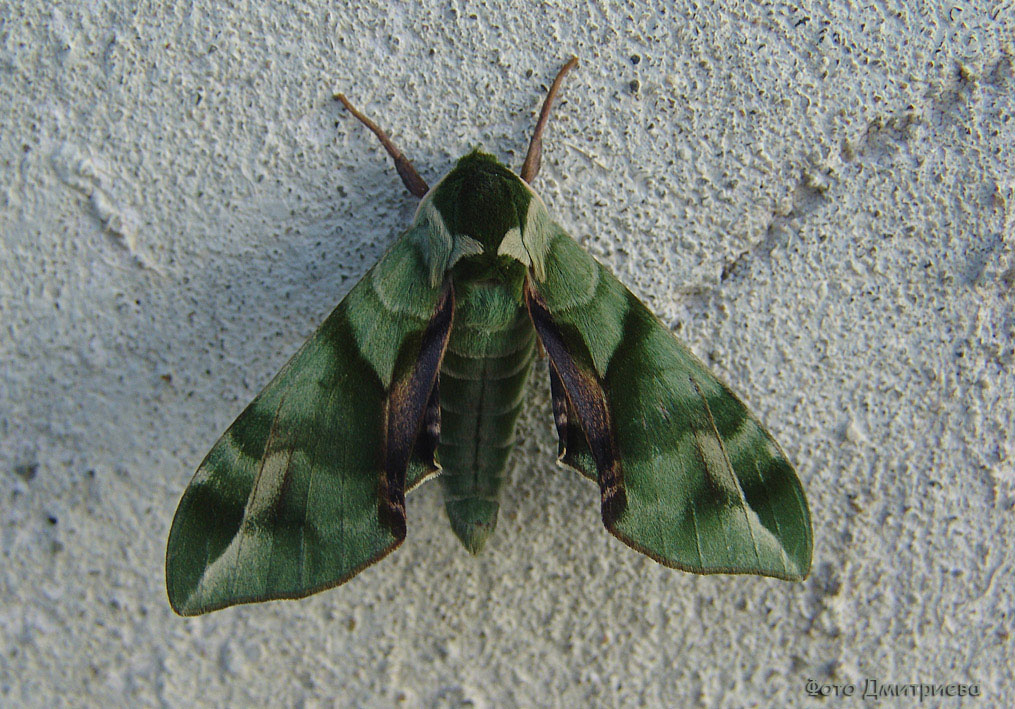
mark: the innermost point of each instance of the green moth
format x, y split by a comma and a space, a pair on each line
422, 369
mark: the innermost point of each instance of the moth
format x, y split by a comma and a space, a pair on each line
422, 369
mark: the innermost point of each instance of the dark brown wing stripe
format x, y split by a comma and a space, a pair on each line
408, 408
430, 429
560, 418
585, 394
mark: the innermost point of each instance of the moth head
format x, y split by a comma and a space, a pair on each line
483, 212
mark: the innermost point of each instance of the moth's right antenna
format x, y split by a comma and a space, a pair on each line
410, 178
534, 157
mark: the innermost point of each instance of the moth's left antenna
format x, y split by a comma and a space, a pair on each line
410, 178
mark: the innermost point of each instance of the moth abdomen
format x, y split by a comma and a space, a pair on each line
482, 383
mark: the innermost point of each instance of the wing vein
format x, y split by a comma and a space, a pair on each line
268, 441
287, 471
775, 517
728, 472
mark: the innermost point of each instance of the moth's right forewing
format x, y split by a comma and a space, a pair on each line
689, 477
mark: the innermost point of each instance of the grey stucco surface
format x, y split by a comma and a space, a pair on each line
820, 199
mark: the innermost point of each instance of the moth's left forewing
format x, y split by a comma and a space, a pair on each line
306, 487
687, 475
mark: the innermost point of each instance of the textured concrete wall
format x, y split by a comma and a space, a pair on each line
821, 201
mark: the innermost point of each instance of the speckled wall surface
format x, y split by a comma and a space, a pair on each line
820, 200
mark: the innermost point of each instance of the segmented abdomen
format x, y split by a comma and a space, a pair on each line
482, 380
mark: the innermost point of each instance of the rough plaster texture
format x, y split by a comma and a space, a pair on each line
819, 199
